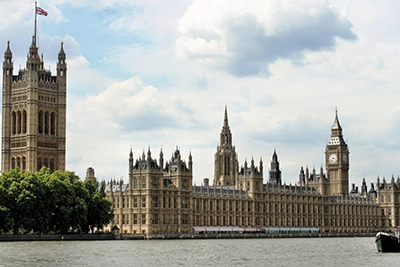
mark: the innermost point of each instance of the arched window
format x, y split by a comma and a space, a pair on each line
46, 162
46, 122
23, 163
52, 164
52, 123
19, 162
14, 122
19, 117
24, 118
12, 163
39, 164
40, 122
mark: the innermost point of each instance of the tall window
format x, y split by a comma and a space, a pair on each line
40, 122
52, 123
19, 116
39, 164
46, 123
24, 119
23, 163
14, 122
52, 164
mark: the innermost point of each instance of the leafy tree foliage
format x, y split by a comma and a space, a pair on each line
44, 202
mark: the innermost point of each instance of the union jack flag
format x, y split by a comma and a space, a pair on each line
41, 11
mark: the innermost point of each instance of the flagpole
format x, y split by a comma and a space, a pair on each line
34, 38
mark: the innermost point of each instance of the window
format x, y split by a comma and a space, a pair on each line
155, 201
184, 203
52, 123
154, 218
185, 184
46, 123
143, 202
185, 219
14, 122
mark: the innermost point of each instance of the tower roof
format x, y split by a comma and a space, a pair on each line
8, 53
336, 132
226, 125
61, 54
336, 124
226, 136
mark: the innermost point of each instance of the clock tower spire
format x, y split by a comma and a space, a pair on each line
337, 160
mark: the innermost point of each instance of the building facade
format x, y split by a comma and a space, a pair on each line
161, 198
34, 113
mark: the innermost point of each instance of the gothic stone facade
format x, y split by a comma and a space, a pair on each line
160, 199
33, 113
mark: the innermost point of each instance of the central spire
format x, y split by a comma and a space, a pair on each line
226, 125
225, 164
226, 136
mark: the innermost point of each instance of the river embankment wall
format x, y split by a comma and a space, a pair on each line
88, 237
83, 237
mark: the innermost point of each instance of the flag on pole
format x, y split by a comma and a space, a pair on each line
41, 11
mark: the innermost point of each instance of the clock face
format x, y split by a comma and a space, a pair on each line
344, 158
332, 158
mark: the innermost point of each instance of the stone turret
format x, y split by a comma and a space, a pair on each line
275, 174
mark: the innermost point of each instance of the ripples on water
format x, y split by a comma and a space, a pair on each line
357, 251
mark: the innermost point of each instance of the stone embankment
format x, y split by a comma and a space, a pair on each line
245, 235
88, 237
8, 238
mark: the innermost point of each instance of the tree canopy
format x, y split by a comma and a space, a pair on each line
47, 202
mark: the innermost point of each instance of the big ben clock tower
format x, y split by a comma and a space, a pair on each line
337, 161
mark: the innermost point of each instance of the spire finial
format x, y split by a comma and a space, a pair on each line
226, 117
336, 124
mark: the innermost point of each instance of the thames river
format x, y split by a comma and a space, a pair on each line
350, 251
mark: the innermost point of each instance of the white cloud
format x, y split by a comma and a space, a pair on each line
245, 39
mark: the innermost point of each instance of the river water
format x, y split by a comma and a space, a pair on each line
349, 251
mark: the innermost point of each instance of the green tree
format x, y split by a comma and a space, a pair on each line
33, 204
5, 218
100, 211
45, 202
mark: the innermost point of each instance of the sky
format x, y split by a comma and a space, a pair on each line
159, 74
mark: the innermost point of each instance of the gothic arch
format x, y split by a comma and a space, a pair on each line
52, 123
40, 122
46, 122
52, 164
14, 122
24, 120
45, 162
23, 164
39, 163
19, 116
